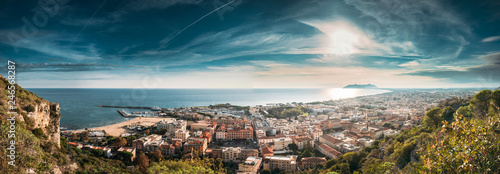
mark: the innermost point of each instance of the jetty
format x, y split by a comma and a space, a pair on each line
129, 107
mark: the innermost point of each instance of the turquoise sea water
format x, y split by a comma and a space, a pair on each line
79, 106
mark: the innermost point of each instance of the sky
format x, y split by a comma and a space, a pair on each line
251, 44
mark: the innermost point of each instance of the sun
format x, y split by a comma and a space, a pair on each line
343, 41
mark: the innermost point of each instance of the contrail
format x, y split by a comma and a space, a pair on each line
194, 23
85, 26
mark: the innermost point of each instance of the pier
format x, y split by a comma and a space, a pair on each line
129, 107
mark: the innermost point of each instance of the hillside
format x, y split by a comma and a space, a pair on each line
458, 136
37, 136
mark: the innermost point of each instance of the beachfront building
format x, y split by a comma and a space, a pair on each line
172, 125
250, 166
284, 163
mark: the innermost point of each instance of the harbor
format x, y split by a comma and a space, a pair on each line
124, 113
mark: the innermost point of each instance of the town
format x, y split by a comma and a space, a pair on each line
273, 137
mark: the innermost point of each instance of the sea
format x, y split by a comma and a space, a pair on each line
79, 106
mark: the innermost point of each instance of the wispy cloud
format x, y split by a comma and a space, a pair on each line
491, 39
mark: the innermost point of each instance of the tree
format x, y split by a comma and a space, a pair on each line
464, 111
125, 155
293, 147
97, 152
266, 171
433, 118
120, 142
448, 113
495, 102
158, 155
480, 103
74, 136
143, 163
147, 132
320, 166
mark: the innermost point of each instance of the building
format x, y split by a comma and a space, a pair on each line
128, 149
327, 150
172, 125
282, 143
167, 149
183, 135
330, 140
196, 144
267, 151
149, 143
231, 154
311, 162
348, 147
285, 163
245, 153
239, 134
214, 153
303, 142
250, 166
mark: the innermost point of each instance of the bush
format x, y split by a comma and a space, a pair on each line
38, 132
29, 108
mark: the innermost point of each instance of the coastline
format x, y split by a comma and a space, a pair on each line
117, 129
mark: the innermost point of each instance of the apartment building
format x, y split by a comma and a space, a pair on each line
284, 163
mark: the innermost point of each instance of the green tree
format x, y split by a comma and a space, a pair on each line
125, 155
464, 111
433, 118
480, 103
266, 171
495, 102
448, 113
293, 147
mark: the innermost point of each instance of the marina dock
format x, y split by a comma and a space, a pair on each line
129, 107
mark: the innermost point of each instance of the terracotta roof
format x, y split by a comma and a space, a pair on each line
303, 139
331, 139
267, 150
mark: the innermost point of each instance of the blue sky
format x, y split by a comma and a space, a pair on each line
251, 44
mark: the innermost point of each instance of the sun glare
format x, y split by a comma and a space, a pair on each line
343, 41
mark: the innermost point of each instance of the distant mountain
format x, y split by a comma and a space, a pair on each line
362, 86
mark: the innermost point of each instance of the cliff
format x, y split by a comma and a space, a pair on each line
30, 131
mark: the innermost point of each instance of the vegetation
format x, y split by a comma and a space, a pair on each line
465, 141
186, 166
287, 112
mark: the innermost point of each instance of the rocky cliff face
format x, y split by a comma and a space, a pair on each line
46, 116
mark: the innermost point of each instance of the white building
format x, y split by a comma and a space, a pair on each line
282, 143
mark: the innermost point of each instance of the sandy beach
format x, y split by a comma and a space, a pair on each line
117, 129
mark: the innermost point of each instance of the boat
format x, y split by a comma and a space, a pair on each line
156, 108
